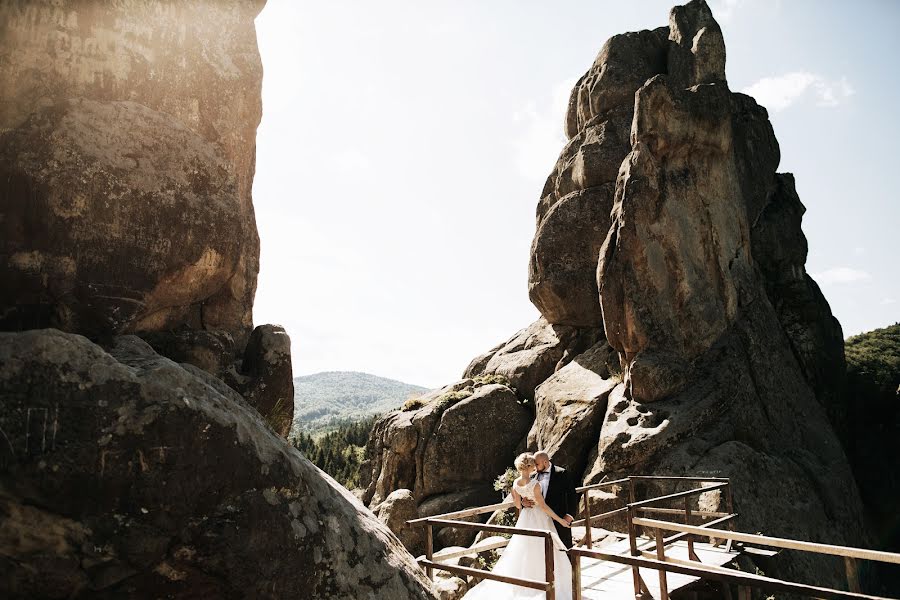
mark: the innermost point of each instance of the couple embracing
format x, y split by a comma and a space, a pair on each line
545, 495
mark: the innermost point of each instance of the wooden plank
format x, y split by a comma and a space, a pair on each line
600, 517
469, 512
549, 564
661, 555
680, 511
732, 576
707, 526
441, 556
602, 484
520, 581
676, 478
763, 540
495, 528
693, 492
429, 550
576, 577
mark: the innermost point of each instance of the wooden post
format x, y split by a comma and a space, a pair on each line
576, 576
549, 558
661, 555
429, 550
852, 574
743, 592
690, 538
729, 503
631, 499
587, 518
635, 572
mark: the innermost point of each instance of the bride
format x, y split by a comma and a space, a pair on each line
524, 556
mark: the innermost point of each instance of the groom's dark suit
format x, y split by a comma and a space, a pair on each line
562, 498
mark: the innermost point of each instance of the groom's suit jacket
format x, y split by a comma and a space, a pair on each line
563, 499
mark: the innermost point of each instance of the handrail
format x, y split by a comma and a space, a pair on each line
476, 549
763, 540
738, 577
485, 527
599, 517
677, 478
548, 586
595, 486
469, 512
529, 583
695, 491
705, 526
680, 511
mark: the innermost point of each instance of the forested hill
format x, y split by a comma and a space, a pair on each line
323, 399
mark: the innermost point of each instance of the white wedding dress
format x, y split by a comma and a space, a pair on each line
524, 557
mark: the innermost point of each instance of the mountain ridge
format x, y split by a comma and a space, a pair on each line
324, 398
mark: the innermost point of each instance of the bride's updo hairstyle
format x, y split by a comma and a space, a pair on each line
523, 461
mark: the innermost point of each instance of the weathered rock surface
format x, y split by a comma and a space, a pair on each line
179, 70
125, 474
429, 450
115, 218
398, 508
727, 349
570, 406
266, 379
532, 355
127, 144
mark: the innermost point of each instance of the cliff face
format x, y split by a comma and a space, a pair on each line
127, 152
127, 148
107, 91
670, 248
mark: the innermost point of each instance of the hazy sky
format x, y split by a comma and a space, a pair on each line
404, 145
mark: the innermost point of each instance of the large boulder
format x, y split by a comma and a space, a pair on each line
127, 148
395, 512
266, 376
570, 406
103, 235
125, 474
671, 266
562, 272
624, 63
532, 355
714, 384
132, 95
428, 447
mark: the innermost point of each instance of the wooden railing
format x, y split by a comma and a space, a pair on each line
431, 562
665, 564
657, 560
744, 581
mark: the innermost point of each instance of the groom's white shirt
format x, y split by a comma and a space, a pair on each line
544, 480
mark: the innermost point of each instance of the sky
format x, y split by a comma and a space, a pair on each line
404, 145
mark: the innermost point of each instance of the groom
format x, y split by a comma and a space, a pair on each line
559, 493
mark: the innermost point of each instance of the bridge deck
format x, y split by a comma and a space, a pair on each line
606, 580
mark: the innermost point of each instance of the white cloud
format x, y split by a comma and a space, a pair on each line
778, 93
839, 275
859, 251
543, 136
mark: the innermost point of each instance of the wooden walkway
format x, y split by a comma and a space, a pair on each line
610, 565
602, 579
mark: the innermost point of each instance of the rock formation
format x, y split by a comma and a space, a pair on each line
127, 149
671, 249
124, 474
127, 144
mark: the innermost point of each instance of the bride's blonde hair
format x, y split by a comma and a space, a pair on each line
523, 461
